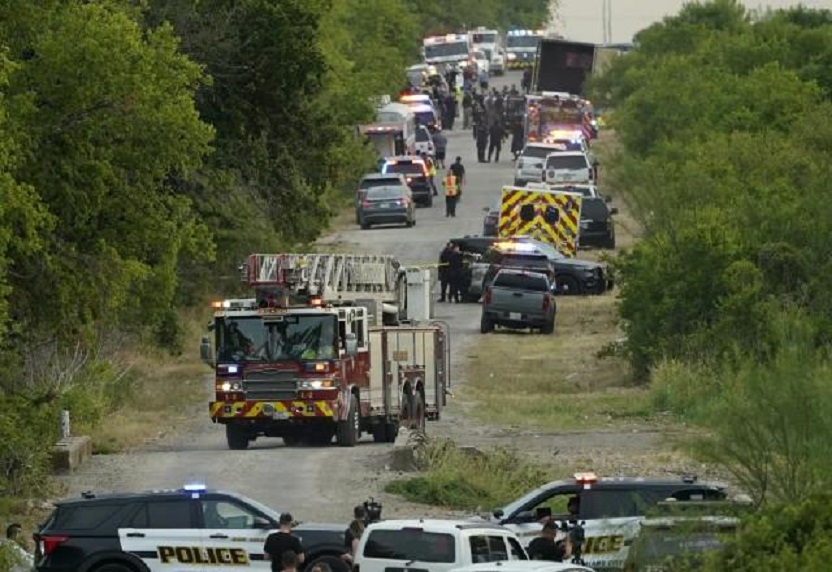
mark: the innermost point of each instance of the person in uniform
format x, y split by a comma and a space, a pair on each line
352, 536
451, 193
431, 171
458, 169
496, 141
482, 141
283, 541
456, 273
467, 107
440, 142
444, 272
517, 139
545, 547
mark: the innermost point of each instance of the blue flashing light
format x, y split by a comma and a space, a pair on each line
195, 488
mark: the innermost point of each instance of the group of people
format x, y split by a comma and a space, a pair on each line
452, 276
286, 553
548, 547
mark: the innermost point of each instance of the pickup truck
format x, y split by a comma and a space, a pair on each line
519, 299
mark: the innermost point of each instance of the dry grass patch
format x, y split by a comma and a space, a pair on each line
555, 382
167, 393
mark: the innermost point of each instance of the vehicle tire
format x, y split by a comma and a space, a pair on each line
348, 430
114, 567
409, 223
237, 437
391, 431
334, 562
365, 226
430, 201
568, 286
406, 415
486, 325
609, 242
549, 328
418, 412
291, 441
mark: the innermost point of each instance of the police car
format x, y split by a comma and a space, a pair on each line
610, 510
187, 529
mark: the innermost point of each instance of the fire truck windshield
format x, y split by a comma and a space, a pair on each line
275, 338
450, 49
522, 41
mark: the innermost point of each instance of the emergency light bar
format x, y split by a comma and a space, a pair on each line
237, 304
586, 478
194, 487
516, 246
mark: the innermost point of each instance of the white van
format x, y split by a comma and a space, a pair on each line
403, 117
434, 545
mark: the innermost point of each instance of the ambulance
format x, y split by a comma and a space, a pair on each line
539, 212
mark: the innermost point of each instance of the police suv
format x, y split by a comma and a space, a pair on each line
172, 530
609, 510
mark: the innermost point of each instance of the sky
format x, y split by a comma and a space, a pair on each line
582, 20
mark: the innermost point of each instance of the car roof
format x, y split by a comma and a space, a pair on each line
417, 107
107, 498
404, 159
566, 154
520, 566
381, 176
521, 272
435, 525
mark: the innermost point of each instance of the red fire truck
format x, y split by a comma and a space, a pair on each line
324, 349
559, 118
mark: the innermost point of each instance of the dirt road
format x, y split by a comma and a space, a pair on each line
322, 484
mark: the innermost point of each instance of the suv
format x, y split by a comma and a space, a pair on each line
567, 167
371, 180
434, 545
191, 528
530, 163
518, 299
416, 175
610, 510
597, 226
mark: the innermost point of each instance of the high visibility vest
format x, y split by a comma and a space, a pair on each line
432, 169
451, 189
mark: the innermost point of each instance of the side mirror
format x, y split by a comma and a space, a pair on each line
351, 344
498, 513
263, 524
613, 210
206, 351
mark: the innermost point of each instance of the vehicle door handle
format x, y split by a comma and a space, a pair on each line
518, 294
135, 535
218, 536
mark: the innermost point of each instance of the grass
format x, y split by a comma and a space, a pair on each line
28, 514
468, 479
555, 382
166, 391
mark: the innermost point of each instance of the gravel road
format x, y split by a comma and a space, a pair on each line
322, 484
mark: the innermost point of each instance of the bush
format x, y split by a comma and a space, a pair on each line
27, 432
470, 479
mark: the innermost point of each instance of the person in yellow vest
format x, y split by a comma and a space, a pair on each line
431, 165
451, 193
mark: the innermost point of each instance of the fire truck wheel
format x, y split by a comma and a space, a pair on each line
237, 437
348, 429
407, 411
391, 431
418, 412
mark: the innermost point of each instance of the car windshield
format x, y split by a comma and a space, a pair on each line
537, 152
405, 168
446, 50
389, 117
522, 41
532, 282
485, 38
384, 193
570, 162
594, 209
425, 118
289, 337
411, 545
422, 135
370, 183
578, 190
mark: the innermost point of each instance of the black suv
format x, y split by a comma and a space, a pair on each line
189, 528
416, 173
597, 225
572, 276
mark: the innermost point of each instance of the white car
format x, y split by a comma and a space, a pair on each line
529, 168
566, 167
480, 60
434, 545
497, 66
525, 566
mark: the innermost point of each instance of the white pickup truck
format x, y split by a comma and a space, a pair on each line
434, 545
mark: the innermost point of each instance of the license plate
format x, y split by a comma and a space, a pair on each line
515, 316
384, 205
280, 415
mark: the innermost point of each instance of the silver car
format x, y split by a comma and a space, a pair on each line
387, 205
375, 180
530, 163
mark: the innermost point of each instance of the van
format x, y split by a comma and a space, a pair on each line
434, 545
404, 117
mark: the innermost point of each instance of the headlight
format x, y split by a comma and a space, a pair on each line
229, 386
316, 384
512, 56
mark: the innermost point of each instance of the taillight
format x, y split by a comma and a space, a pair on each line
487, 297
49, 543
365, 203
546, 303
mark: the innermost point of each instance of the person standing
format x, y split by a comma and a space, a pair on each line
496, 141
544, 547
444, 272
450, 111
456, 270
467, 106
482, 141
440, 143
283, 541
431, 169
451, 193
458, 169
517, 139
352, 536
483, 79
526, 83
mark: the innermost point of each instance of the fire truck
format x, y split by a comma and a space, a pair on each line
448, 49
331, 345
553, 117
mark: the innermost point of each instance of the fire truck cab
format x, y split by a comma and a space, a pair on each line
309, 357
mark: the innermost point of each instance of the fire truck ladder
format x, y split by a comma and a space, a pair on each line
344, 277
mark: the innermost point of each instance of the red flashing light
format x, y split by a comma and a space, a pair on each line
586, 479
316, 301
